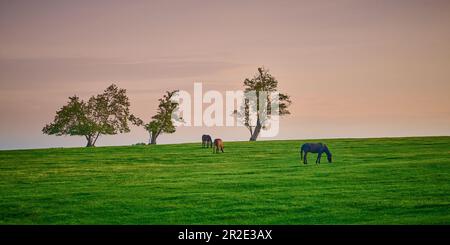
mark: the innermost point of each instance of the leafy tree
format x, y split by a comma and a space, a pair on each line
261, 82
105, 114
162, 121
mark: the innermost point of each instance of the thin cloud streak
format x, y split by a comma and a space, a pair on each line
48, 72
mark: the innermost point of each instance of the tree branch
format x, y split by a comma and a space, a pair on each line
96, 137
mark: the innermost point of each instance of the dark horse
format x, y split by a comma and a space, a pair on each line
314, 148
206, 141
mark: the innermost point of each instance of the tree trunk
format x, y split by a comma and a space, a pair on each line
257, 128
90, 142
256, 131
153, 140
153, 137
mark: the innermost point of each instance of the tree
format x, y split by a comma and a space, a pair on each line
105, 114
162, 121
261, 82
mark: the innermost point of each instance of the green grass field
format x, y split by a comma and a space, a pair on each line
371, 181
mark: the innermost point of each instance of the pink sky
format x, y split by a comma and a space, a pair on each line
353, 68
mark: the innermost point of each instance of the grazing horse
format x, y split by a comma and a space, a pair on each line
206, 141
218, 145
314, 148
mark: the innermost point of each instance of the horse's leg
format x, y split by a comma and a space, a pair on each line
221, 148
318, 157
305, 160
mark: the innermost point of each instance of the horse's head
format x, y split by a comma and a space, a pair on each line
329, 155
329, 158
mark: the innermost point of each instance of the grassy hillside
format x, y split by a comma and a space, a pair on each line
372, 181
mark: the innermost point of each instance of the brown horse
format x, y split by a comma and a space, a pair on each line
218, 144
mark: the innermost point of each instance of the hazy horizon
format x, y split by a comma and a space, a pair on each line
354, 69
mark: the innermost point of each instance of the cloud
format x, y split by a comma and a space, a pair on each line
50, 72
